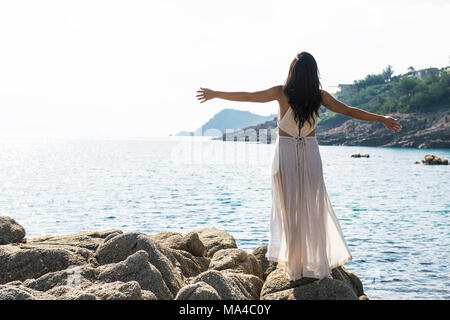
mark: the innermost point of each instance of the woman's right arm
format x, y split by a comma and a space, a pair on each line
336, 106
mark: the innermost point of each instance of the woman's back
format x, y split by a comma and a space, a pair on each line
287, 126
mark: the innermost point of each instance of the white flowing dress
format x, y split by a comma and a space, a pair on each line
305, 236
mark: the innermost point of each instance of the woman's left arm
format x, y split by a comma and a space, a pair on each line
271, 94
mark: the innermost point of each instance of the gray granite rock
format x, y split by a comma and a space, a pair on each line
215, 239
10, 230
198, 291
189, 242
266, 266
278, 287
231, 285
236, 260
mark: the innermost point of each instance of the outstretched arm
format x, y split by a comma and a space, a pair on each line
271, 94
336, 106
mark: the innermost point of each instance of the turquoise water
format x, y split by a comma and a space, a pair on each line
394, 213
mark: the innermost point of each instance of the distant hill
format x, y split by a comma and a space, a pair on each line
228, 119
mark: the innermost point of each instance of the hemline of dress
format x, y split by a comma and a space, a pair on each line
301, 276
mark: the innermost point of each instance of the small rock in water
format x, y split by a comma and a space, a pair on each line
10, 231
359, 155
433, 159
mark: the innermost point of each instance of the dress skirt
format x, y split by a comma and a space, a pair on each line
305, 236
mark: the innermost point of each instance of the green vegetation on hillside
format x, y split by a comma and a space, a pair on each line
416, 91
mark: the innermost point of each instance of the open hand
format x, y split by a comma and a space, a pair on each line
205, 94
391, 124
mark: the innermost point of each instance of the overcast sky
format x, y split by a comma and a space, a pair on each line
131, 68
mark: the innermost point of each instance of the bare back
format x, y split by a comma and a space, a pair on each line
284, 107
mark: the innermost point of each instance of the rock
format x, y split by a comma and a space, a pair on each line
266, 266
73, 277
433, 159
137, 268
10, 292
215, 240
117, 291
132, 264
279, 281
174, 265
112, 235
198, 291
325, 289
70, 293
189, 265
117, 248
121, 246
423, 130
84, 281
236, 260
230, 285
21, 262
279, 287
358, 155
189, 242
89, 240
342, 274
148, 295
101, 291
10, 230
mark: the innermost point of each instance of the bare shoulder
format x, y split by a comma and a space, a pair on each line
283, 100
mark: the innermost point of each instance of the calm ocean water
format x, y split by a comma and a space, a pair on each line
394, 213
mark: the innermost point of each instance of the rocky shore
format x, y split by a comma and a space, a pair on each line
204, 264
430, 130
419, 130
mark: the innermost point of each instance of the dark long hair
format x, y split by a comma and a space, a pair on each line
302, 88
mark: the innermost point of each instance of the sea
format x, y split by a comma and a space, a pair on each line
394, 212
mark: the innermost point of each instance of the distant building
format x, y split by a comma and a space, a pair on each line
344, 89
421, 74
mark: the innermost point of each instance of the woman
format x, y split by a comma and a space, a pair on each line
305, 236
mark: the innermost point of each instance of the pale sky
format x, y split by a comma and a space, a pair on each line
107, 69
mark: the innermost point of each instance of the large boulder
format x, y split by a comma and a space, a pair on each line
118, 248
137, 268
231, 285
189, 242
266, 266
198, 291
215, 240
21, 262
89, 239
279, 287
116, 290
10, 230
88, 282
11, 292
202, 265
189, 265
74, 277
236, 260
342, 274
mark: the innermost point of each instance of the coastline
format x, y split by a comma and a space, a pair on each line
419, 130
